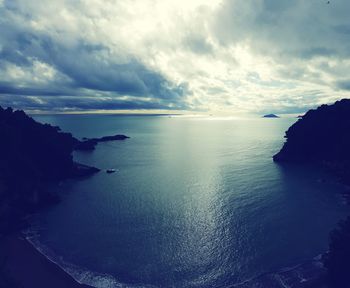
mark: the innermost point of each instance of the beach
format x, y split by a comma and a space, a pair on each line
19, 260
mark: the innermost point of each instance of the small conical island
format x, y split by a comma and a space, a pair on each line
271, 116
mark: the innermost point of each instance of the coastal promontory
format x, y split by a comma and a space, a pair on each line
89, 144
321, 137
32, 156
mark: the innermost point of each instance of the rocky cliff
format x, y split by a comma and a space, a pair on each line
322, 137
32, 156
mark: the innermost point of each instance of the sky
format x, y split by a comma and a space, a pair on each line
215, 56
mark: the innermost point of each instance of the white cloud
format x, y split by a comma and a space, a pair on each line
242, 55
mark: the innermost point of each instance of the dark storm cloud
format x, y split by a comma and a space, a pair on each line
77, 66
64, 103
10, 89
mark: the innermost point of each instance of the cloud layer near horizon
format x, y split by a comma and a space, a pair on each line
242, 55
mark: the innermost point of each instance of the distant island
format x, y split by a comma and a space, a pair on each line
271, 116
322, 137
33, 157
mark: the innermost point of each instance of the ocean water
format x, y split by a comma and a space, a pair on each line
195, 202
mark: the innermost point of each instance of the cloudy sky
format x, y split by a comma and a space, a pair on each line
255, 56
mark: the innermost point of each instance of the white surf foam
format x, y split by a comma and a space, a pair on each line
79, 274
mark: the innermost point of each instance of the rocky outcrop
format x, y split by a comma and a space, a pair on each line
321, 137
32, 156
90, 144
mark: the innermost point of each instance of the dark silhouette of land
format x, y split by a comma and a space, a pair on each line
22, 266
322, 137
90, 144
33, 156
271, 116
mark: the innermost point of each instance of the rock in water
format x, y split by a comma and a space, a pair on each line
90, 144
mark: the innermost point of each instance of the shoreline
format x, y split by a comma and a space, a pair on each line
30, 266
25, 266
301, 275
84, 277
307, 274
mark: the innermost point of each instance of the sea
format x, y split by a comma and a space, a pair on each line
196, 201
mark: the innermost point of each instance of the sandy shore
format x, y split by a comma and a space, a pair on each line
21, 265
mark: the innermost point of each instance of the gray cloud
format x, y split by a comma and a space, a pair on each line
198, 44
250, 55
286, 28
74, 69
80, 103
343, 84
342, 29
